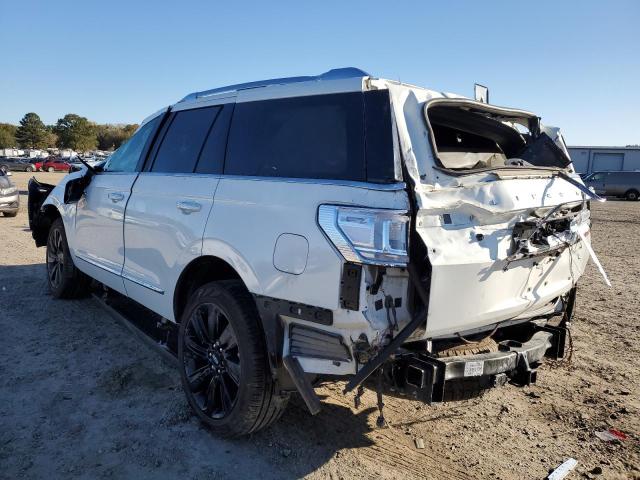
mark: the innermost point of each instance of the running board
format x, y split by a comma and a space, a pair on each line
169, 355
303, 385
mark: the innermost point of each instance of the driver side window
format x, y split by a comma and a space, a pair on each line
125, 158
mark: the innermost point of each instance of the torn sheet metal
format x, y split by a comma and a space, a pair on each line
593, 256
466, 222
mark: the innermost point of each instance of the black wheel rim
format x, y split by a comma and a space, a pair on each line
211, 360
55, 258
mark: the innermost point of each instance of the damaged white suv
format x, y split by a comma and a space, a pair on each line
332, 227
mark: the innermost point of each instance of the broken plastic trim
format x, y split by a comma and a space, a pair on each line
419, 318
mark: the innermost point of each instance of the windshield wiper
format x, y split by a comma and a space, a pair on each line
89, 167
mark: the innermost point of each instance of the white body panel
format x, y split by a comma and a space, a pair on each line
476, 270
250, 214
99, 241
163, 230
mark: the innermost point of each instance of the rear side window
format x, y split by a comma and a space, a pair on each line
183, 141
379, 137
320, 136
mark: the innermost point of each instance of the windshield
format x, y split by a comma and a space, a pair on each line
467, 137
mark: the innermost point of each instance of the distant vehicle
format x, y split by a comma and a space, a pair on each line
615, 184
55, 165
9, 196
17, 164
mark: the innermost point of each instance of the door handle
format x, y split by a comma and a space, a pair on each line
116, 196
188, 206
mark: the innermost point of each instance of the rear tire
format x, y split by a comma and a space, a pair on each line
28, 169
65, 280
223, 361
10, 214
632, 195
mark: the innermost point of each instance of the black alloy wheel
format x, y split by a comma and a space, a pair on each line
223, 361
55, 259
64, 278
212, 360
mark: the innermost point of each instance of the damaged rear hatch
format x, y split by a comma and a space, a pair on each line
504, 219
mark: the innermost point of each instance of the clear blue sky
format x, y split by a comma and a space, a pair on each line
576, 64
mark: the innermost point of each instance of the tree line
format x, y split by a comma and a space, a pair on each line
71, 131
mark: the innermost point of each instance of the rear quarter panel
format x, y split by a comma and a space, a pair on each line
249, 215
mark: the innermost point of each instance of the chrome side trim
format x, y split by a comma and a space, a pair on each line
123, 275
382, 187
143, 284
99, 265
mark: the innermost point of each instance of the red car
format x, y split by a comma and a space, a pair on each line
53, 165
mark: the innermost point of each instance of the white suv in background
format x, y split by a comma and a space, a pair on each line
332, 227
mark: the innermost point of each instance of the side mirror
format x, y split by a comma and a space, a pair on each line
74, 189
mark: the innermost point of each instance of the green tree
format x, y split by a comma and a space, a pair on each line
111, 137
75, 132
7, 135
31, 133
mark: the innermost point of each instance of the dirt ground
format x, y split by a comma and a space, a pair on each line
80, 397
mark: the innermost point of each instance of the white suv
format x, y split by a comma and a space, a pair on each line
332, 227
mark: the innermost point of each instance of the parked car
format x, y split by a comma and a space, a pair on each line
9, 195
615, 184
54, 165
16, 164
332, 227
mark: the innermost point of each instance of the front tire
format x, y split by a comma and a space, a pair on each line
51, 169
65, 280
28, 170
223, 361
632, 195
10, 214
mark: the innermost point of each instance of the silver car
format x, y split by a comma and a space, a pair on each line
615, 184
9, 196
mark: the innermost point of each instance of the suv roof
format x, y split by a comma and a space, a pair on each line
334, 74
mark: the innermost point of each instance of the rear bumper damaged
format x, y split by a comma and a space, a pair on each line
430, 379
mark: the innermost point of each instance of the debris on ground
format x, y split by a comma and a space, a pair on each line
563, 470
611, 435
419, 443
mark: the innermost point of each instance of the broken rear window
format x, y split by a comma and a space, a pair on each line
467, 137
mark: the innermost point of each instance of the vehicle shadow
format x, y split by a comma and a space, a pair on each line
131, 407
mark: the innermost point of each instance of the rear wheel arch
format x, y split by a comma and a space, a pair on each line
197, 273
209, 268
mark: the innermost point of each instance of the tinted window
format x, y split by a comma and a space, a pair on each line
125, 158
212, 156
379, 136
181, 145
305, 137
